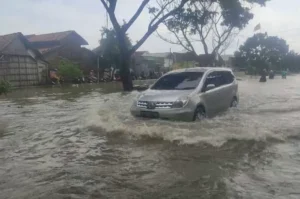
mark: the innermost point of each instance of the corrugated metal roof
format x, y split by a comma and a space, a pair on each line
140, 53
56, 36
46, 50
157, 55
6, 40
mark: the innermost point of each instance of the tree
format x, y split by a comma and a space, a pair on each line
109, 49
69, 71
5, 87
291, 61
262, 52
202, 21
169, 8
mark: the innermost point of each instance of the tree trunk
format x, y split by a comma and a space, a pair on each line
205, 47
112, 73
125, 74
125, 60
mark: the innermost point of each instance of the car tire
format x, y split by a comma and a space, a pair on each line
234, 103
200, 114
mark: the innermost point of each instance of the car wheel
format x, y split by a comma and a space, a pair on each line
200, 114
234, 103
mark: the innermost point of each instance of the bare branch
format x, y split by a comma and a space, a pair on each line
200, 29
162, 9
152, 28
216, 23
105, 5
189, 47
112, 5
222, 38
187, 40
166, 40
135, 16
111, 12
172, 12
227, 42
179, 42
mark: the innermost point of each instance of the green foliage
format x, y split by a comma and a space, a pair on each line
109, 48
206, 20
291, 61
262, 51
69, 70
5, 87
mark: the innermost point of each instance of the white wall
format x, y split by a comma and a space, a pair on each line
168, 62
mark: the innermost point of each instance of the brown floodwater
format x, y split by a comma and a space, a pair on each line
82, 142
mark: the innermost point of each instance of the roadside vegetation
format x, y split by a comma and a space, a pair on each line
109, 49
69, 71
5, 87
262, 51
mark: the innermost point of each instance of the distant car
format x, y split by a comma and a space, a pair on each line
188, 94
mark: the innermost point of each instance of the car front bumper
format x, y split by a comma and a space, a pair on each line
183, 114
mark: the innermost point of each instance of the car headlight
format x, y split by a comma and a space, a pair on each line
137, 98
181, 102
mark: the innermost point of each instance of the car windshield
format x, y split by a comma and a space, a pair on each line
178, 81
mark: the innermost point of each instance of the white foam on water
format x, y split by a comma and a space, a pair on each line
113, 115
265, 112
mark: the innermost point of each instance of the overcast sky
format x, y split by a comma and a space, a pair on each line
86, 17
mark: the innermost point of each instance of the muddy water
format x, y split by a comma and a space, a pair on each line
81, 142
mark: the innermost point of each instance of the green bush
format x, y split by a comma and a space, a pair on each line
69, 71
5, 87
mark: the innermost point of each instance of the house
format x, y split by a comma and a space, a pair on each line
64, 45
184, 60
139, 64
227, 60
20, 63
144, 61
208, 60
189, 59
162, 60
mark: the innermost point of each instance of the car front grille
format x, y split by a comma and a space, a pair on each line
142, 104
152, 105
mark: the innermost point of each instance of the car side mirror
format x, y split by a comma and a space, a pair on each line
210, 87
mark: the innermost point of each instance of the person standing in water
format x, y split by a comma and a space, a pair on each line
271, 74
263, 77
283, 74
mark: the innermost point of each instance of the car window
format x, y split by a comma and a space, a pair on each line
213, 78
227, 77
179, 81
219, 78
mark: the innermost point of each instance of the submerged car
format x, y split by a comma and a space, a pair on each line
188, 94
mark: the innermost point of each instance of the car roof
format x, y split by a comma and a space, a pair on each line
200, 69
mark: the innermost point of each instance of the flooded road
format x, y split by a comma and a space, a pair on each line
82, 142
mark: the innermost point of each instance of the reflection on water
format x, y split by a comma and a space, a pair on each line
81, 142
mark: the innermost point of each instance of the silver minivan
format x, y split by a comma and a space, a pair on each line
188, 94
